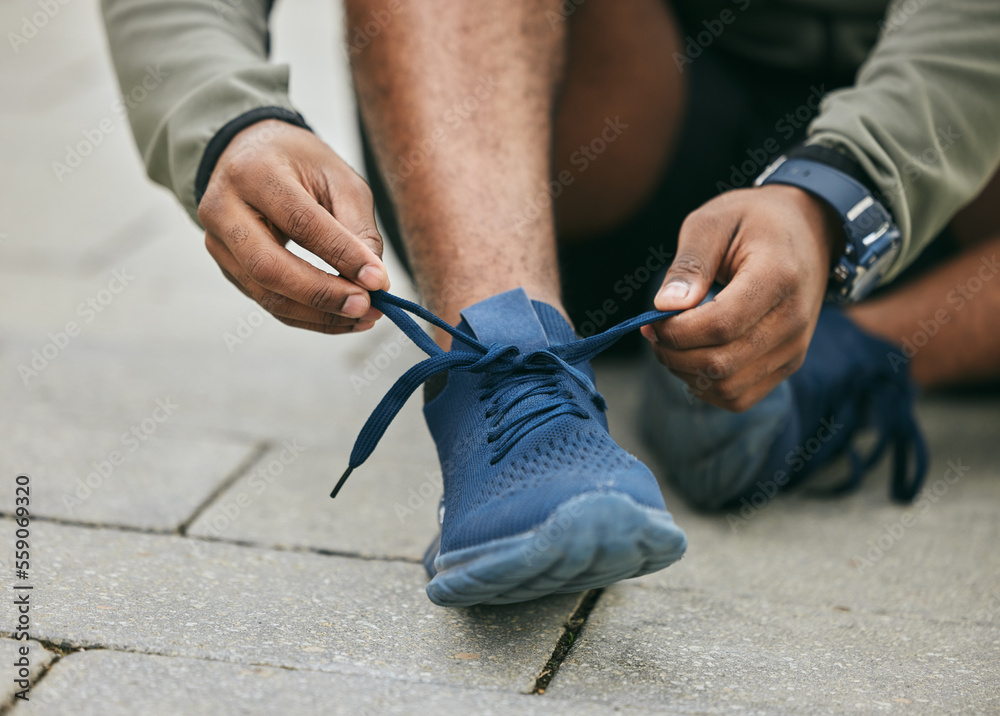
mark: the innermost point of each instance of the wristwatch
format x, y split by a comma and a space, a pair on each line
872, 238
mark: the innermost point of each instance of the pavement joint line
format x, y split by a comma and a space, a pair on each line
8, 705
309, 550
564, 644
231, 542
256, 453
65, 649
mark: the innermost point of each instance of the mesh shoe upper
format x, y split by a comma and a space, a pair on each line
487, 497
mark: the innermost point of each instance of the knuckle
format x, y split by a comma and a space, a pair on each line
728, 391
237, 234
273, 302
739, 405
210, 208
370, 235
667, 336
720, 366
338, 249
240, 170
302, 221
323, 296
793, 366
332, 319
689, 264
724, 329
262, 267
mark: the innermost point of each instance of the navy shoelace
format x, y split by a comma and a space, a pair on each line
513, 378
890, 398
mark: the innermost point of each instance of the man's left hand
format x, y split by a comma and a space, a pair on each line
771, 248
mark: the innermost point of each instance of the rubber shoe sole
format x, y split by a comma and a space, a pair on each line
590, 541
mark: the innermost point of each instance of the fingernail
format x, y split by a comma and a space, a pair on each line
674, 291
355, 306
371, 277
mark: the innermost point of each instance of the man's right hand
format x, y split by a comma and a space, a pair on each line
277, 183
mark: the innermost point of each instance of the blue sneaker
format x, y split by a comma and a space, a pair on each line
538, 499
850, 381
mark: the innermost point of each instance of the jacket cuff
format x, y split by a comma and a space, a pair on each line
217, 144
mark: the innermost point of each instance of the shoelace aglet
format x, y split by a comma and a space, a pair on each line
340, 483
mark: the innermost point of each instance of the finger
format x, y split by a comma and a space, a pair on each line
749, 398
268, 264
745, 388
354, 207
726, 360
330, 330
701, 245
299, 216
756, 290
274, 303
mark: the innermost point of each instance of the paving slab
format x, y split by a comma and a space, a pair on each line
713, 653
114, 683
388, 508
174, 596
276, 383
128, 475
38, 658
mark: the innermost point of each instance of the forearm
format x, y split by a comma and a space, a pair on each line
923, 118
206, 61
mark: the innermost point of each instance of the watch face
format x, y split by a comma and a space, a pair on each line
867, 280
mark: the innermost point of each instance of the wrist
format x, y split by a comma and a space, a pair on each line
870, 238
222, 139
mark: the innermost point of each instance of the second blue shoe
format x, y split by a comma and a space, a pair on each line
850, 383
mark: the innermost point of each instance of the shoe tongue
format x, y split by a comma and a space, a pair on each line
508, 318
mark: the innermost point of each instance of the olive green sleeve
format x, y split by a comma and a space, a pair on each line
200, 64
923, 117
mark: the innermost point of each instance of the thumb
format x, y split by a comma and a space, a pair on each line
701, 246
